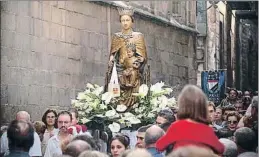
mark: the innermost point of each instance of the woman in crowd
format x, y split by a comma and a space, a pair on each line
192, 121
119, 143
232, 121
49, 118
219, 117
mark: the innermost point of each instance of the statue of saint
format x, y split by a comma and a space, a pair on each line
128, 52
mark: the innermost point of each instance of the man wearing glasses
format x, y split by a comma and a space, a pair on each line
57, 141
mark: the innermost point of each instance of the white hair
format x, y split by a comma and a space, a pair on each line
230, 147
23, 115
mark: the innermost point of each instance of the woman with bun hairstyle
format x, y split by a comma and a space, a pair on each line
119, 143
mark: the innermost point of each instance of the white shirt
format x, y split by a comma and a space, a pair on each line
46, 138
35, 150
53, 147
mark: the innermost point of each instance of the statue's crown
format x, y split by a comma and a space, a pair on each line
126, 11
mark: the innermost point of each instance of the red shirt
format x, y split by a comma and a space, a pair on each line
183, 132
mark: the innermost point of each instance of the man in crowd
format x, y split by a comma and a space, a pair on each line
165, 118
57, 143
230, 100
212, 110
21, 138
245, 139
35, 150
152, 135
230, 147
140, 136
76, 147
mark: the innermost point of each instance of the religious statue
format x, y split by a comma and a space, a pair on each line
128, 53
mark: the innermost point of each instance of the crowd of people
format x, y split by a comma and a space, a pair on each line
198, 128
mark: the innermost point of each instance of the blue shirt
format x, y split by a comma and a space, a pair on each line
155, 153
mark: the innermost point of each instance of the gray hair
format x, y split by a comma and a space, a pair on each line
76, 147
92, 154
245, 138
23, 115
153, 134
230, 147
248, 154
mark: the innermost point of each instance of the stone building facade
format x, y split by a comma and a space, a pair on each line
51, 49
228, 40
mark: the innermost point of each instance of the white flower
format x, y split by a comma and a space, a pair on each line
98, 91
103, 107
151, 115
133, 120
89, 85
168, 90
110, 113
100, 115
128, 114
114, 127
106, 97
163, 100
143, 90
74, 101
81, 96
121, 108
154, 102
172, 101
96, 85
157, 87
85, 120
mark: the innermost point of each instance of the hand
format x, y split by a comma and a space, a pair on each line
140, 59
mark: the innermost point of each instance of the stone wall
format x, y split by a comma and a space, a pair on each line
51, 49
247, 54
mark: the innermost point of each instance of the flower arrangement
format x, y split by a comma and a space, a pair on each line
94, 104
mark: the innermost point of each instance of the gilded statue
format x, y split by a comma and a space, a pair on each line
128, 52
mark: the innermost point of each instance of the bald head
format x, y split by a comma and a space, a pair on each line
153, 134
23, 115
76, 147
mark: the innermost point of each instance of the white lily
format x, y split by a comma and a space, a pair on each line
172, 101
90, 86
151, 115
98, 91
133, 120
154, 102
81, 96
168, 90
96, 85
128, 114
106, 97
114, 127
143, 90
103, 107
73, 101
121, 108
157, 87
110, 113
